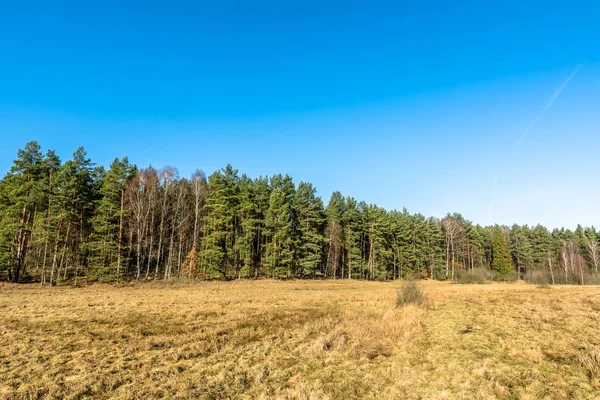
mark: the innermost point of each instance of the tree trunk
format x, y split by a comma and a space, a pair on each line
55, 257
121, 236
19, 241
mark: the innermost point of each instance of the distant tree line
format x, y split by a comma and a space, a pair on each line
74, 220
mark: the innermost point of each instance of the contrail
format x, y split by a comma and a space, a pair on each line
548, 105
530, 127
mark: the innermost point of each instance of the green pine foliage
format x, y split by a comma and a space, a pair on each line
107, 250
310, 217
281, 226
72, 221
500, 253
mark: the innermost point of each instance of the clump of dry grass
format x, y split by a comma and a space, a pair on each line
590, 360
335, 341
410, 293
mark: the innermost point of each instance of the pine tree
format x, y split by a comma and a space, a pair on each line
281, 224
401, 224
520, 248
353, 234
500, 253
250, 224
221, 252
310, 214
334, 235
60, 222
378, 253
23, 194
435, 247
262, 195
77, 199
106, 241
45, 228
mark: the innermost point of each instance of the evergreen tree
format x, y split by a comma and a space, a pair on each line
221, 252
435, 248
310, 214
250, 223
106, 241
79, 185
520, 248
281, 258
45, 228
334, 235
353, 234
500, 253
61, 222
23, 194
377, 235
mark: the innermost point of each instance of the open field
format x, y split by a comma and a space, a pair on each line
299, 339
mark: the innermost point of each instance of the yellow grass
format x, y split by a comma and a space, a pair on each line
302, 339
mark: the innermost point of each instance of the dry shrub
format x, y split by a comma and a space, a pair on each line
543, 277
410, 293
543, 285
498, 277
188, 269
538, 277
475, 276
592, 279
590, 360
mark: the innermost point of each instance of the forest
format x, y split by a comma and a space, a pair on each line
74, 221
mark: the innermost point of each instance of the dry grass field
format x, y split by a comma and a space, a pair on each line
299, 340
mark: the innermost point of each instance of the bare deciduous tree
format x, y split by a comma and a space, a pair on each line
454, 239
199, 193
592, 247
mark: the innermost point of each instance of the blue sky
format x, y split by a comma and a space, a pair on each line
490, 109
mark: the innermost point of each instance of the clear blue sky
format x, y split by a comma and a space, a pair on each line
491, 109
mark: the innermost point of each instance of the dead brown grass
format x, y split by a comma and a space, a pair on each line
298, 340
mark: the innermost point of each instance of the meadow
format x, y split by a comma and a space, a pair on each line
299, 340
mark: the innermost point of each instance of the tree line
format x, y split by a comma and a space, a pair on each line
73, 220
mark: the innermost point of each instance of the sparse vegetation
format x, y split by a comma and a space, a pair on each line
470, 277
298, 339
410, 293
590, 360
538, 277
543, 285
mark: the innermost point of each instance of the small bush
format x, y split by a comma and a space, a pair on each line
592, 279
498, 277
410, 293
590, 360
475, 276
543, 285
538, 277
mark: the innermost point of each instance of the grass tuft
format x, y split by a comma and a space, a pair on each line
336, 341
590, 361
410, 293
